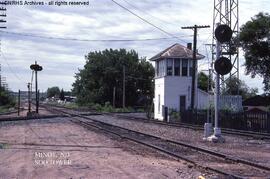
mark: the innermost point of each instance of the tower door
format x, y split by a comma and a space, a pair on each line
182, 103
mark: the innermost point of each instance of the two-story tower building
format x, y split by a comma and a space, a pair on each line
173, 80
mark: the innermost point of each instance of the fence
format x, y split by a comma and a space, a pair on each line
250, 121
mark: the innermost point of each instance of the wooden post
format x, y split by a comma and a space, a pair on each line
29, 102
124, 87
114, 96
194, 57
19, 102
37, 101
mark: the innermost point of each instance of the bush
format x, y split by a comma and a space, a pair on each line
174, 114
97, 107
6, 99
122, 110
107, 107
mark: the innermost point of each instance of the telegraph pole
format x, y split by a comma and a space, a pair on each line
124, 87
19, 102
29, 102
194, 67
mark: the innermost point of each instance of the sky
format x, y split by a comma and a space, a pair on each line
103, 20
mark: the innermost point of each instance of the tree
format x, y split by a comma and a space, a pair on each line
203, 81
235, 86
53, 92
104, 70
5, 98
254, 40
62, 95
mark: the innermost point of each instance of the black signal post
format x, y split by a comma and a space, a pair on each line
223, 66
36, 68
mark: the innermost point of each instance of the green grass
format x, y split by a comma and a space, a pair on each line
71, 105
97, 107
4, 109
3, 146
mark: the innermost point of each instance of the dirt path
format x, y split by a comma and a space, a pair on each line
57, 148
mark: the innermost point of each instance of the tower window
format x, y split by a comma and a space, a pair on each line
169, 66
190, 67
177, 67
184, 67
157, 68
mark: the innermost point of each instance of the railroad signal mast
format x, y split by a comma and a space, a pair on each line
226, 13
225, 53
36, 67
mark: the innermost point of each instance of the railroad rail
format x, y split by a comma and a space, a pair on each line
201, 157
256, 135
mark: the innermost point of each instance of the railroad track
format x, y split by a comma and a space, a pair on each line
256, 135
203, 158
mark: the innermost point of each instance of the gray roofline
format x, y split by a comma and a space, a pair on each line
158, 56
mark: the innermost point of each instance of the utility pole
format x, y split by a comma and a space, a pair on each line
37, 100
29, 101
195, 28
124, 87
19, 102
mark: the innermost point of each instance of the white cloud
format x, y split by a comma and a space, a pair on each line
102, 20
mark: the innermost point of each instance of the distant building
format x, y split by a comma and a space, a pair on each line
257, 103
173, 83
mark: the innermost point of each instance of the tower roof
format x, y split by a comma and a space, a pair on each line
176, 51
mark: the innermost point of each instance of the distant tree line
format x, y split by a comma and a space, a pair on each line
57, 93
104, 72
233, 86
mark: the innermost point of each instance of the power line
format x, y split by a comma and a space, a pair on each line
148, 13
204, 41
146, 21
10, 69
90, 40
